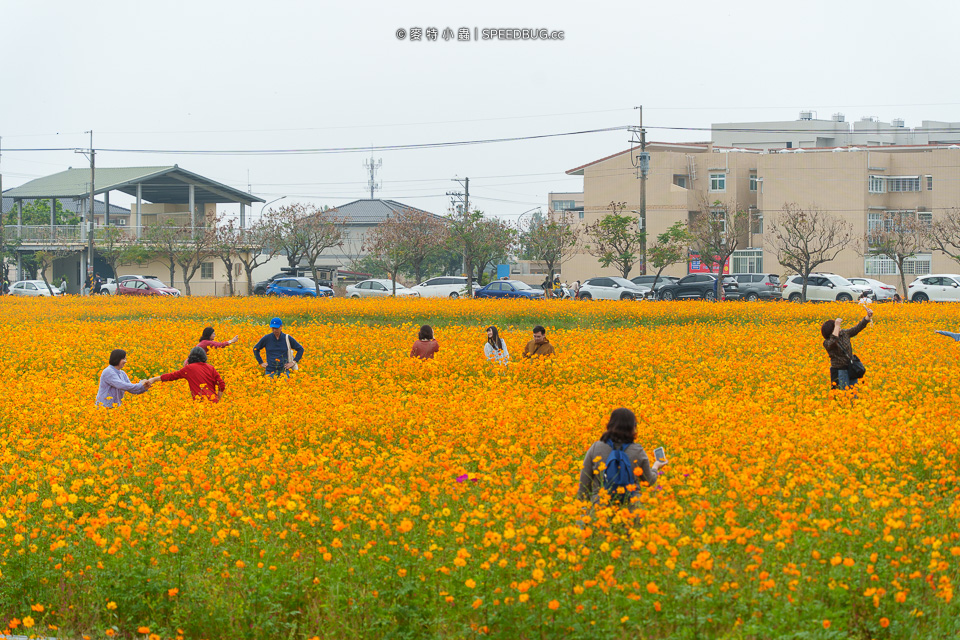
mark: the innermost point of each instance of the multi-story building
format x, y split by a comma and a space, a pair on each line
860, 185
810, 132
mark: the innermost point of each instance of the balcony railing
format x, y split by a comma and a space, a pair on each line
74, 233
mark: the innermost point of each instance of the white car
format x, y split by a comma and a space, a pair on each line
379, 288
822, 287
936, 287
443, 287
882, 292
34, 288
613, 288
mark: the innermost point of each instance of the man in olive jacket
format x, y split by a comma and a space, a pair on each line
539, 346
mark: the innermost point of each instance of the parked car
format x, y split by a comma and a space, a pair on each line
144, 286
260, 288
936, 287
882, 291
648, 281
758, 286
822, 287
109, 286
509, 289
444, 287
34, 289
379, 288
297, 287
613, 288
699, 285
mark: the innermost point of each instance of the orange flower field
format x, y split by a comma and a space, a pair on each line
375, 495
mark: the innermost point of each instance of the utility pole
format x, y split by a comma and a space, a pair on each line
464, 198
90, 208
641, 162
372, 165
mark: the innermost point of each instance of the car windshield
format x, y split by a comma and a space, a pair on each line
389, 285
520, 285
154, 284
623, 282
840, 280
307, 282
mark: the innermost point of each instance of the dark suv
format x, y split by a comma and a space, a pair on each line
648, 281
758, 286
698, 285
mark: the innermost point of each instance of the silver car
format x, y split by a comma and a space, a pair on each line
379, 288
35, 289
613, 288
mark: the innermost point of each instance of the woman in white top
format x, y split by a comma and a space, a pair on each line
495, 348
114, 381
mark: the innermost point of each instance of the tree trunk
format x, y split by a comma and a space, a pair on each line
393, 280
249, 271
230, 278
316, 281
186, 280
173, 274
417, 271
469, 261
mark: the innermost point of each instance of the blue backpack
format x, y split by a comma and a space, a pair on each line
619, 473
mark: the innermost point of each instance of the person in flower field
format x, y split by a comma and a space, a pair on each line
208, 340
279, 347
426, 345
616, 462
539, 346
203, 379
836, 342
114, 381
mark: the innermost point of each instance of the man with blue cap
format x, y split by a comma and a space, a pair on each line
279, 348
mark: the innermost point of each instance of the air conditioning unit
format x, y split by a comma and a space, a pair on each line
898, 123
806, 115
839, 117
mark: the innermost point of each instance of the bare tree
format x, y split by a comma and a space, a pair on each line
717, 230
255, 246
945, 233
162, 241
45, 259
616, 239
225, 243
553, 241
285, 233
424, 236
113, 245
385, 251
803, 239
316, 230
196, 246
900, 237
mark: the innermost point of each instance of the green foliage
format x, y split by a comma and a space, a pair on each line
37, 213
616, 240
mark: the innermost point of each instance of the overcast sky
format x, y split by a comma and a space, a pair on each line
241, 75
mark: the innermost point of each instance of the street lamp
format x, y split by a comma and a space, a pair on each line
267, 205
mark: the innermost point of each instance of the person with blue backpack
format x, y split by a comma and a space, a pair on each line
611, 461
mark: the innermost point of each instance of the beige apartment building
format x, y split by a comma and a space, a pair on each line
858, 184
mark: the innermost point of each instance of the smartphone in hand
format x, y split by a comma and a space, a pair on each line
660, 454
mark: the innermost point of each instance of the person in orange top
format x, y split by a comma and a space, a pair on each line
203, 379
539, 346
425, 346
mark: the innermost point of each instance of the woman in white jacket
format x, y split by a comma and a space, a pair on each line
495, 348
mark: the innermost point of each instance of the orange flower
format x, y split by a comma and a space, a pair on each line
884, 622
553, 605
826, 624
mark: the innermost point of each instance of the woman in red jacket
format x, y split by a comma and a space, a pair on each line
203, 379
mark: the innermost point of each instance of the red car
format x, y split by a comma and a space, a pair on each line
142, 286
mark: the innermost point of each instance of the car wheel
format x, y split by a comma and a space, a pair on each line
355, 296
454, 295
796, 297
844, 297
626, 296
752, 297
919, 297
104, 292
586, 296
710, 296
666, 295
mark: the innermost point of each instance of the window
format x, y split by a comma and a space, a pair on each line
884, 266
581, 215
753, 182
925, 218
680, 180
563, 205
720, 219
756, 221
929, 183
206, 271
876, 184
902, 184
718, 182
748, 261
874, 222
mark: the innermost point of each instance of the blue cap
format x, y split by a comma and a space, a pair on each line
276, 323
